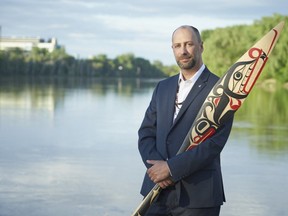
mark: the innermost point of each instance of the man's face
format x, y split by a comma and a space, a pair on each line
186, 48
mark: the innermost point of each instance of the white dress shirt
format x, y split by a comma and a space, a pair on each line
184, 87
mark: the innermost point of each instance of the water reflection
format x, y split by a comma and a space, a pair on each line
68, 147
49, 92
263, 115
267, 116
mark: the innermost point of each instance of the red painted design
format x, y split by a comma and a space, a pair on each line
233, 105
199, 139
216, 101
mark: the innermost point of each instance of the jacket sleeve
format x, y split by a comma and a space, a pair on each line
200, 157
147, 133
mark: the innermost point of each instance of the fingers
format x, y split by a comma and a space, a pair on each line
162, 185
159, 170
159, 173
152, 162
154, 177
165, 183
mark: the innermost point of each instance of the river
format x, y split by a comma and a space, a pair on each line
68, 146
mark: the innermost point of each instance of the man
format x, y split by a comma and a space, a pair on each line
191, 181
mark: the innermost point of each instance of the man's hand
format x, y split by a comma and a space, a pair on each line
166, 183
159, 173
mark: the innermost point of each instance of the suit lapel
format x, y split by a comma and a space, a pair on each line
171, 98
196, 89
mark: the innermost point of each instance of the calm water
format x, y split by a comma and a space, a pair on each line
69, 147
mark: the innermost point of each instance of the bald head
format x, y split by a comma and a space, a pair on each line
192, 29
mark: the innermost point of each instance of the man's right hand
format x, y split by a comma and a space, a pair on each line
166, 183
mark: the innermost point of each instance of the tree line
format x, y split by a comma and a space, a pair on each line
222, 47
59, 63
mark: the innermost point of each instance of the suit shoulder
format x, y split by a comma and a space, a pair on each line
169, 80
213, 78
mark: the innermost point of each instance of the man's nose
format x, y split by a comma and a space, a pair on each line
184, 50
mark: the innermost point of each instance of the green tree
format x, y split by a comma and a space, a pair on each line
224, 46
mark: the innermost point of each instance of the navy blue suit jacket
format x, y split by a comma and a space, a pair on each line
197, 172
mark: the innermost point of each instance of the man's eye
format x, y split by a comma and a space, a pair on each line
176, 46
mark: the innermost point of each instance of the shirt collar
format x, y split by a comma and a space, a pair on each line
194, 77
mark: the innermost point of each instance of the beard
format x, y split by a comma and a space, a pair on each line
187, 65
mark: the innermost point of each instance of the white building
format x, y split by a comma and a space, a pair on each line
27, 43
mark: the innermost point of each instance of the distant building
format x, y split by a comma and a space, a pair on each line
7, 43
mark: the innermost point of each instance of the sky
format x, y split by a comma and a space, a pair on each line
142, 27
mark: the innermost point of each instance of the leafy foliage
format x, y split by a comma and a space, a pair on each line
224, 46
41, 62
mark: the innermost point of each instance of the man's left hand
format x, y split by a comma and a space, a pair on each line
159, 170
